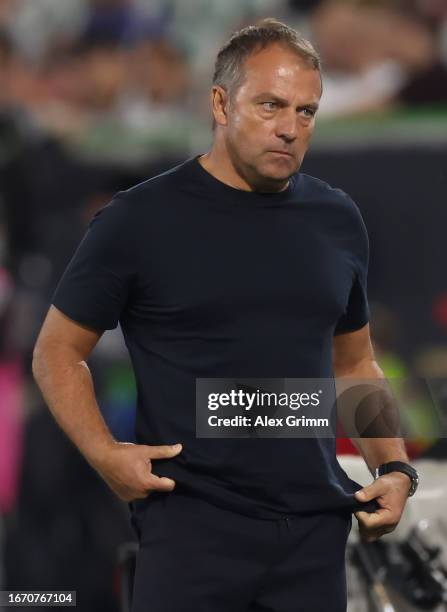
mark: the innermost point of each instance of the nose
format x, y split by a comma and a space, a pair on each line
287, 125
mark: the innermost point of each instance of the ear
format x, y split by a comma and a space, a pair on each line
219, 104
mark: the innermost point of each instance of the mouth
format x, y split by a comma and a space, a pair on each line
282, 153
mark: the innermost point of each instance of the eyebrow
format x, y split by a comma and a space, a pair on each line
266, 94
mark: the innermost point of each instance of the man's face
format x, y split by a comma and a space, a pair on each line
271, 116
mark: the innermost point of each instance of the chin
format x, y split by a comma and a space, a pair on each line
277, 176
280, 169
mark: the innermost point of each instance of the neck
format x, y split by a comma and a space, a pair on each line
219, 163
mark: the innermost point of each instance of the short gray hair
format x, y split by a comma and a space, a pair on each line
229, 66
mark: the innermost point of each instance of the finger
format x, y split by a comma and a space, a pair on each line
369, 534
374, 520
369, 537
163, 452
371, 491
375, 534
159, 483
364, 520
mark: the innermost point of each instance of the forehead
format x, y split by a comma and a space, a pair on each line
280, 70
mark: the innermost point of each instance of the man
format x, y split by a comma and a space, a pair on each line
232, 264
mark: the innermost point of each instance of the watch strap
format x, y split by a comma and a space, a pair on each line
400, 466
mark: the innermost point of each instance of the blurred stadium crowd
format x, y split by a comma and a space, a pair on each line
96, 95
76, 65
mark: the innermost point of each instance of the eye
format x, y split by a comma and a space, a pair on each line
308, 112
269, 106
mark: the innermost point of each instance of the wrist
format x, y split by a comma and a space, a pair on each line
99, 454
400, 469
403, 478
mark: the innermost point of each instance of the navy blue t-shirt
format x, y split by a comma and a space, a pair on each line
211, 281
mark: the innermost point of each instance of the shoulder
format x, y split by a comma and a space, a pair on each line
314, 189
310, 186
132, 206
160, 184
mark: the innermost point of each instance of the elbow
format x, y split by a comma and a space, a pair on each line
364, 368
37, 362
52, 359
43, 356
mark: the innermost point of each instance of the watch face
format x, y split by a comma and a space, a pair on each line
414, 486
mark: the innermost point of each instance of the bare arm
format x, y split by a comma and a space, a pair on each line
62, 374
353, 357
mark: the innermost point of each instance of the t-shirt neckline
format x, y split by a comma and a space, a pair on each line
240, 195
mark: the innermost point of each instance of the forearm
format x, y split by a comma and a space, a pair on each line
67, 387
378, 450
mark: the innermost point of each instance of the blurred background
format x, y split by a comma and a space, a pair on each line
97, 95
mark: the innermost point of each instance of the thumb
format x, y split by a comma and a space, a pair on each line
367, 493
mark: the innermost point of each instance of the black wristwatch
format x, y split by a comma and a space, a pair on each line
399, 466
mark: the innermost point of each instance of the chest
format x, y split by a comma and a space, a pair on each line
268, 271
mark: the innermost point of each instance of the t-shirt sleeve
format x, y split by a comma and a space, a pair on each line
97, 282
357, 312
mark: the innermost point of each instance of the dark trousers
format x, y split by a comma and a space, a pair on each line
196, 557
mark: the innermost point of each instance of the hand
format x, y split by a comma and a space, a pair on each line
391, 492
127, 469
